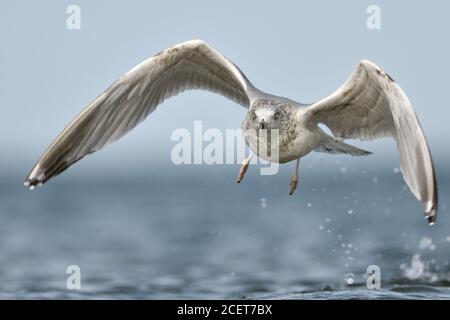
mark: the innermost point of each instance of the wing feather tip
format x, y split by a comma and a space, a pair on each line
430, 213
35, 179
431, 220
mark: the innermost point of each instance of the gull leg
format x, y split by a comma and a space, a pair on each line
244, 168
294, 179
338, 139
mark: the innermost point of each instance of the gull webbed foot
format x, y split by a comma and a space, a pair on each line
294, 183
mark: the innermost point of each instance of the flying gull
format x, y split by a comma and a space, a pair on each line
368, 105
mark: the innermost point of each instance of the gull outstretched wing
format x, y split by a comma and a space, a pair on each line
189, 65
371, 105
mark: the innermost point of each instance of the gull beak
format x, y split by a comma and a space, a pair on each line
262, 124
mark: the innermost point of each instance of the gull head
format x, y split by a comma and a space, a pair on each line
266, 116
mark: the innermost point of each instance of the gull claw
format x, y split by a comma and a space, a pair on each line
294, 183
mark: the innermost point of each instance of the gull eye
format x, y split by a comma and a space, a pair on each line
276, 115
253, 114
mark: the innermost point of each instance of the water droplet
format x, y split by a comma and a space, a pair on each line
350, 278
309, 204
263, 203
343, 170
375, 180
350, 211
416, 269
396, 170
425, 243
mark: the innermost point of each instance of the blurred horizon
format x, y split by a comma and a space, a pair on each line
299, 50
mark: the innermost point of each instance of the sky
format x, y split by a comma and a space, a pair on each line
303, 50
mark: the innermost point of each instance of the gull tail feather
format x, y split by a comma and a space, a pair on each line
330, 145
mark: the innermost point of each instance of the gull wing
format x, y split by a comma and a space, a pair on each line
371, 105
189, 65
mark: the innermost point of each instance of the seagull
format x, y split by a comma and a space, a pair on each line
367, 106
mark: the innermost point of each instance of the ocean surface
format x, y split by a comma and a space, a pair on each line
194, 233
